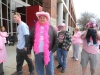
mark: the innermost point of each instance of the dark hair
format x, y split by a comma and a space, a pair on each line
2, 27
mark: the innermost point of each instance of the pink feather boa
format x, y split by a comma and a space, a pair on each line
46, 41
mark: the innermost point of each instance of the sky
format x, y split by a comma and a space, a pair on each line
91, 6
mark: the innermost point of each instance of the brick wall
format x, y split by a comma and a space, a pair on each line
54, 8
47, 6
51, 7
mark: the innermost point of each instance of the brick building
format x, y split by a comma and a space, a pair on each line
60, 11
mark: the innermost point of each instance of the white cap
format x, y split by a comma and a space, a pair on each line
92, 20
63, 24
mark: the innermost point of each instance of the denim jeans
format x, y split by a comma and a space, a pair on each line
61, 57
39, 62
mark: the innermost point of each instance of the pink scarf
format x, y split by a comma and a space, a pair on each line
46, 41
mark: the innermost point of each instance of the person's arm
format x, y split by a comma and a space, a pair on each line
31, 37
69, 40
1, 43
98, 35
25, 31
26, 41
5, 34
55, 40
83, 36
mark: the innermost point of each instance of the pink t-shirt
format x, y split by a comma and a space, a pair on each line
90, 49
76, 38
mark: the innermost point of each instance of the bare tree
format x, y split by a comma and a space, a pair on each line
84, 19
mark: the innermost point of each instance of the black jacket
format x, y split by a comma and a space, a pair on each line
52, 38
66, 41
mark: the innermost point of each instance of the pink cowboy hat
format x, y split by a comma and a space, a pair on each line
43, 14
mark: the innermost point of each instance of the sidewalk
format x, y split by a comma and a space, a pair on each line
73, 67
10, 64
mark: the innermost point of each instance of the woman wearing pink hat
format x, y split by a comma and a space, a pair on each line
43, 40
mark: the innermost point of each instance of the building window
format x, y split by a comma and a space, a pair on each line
8, 7
24, 0
30, 2
4, 1
0, 9
4, 11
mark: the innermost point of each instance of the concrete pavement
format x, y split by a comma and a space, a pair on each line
10, 64
73, 67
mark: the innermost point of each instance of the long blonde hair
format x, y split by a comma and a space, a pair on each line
77, 28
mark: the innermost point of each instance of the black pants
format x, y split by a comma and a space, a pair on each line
91, 32
1, 69
21, 55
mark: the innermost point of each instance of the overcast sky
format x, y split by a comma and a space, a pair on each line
91, 6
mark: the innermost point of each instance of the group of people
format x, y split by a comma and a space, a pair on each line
88, 39
44, 40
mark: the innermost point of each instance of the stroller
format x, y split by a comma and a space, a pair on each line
11, 40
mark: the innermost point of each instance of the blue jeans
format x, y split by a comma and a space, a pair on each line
39, 62
61, 57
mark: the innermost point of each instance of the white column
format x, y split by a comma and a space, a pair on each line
7, 17
11, 17
1, 14
66, 15
67, 3
66, 20
27, 1
60, 14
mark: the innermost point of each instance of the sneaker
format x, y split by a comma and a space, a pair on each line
18, 73
89, 44
63, 70
76, 59
95, 44
59, 66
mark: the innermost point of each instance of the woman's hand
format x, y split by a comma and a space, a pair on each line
25, 48
29, 55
